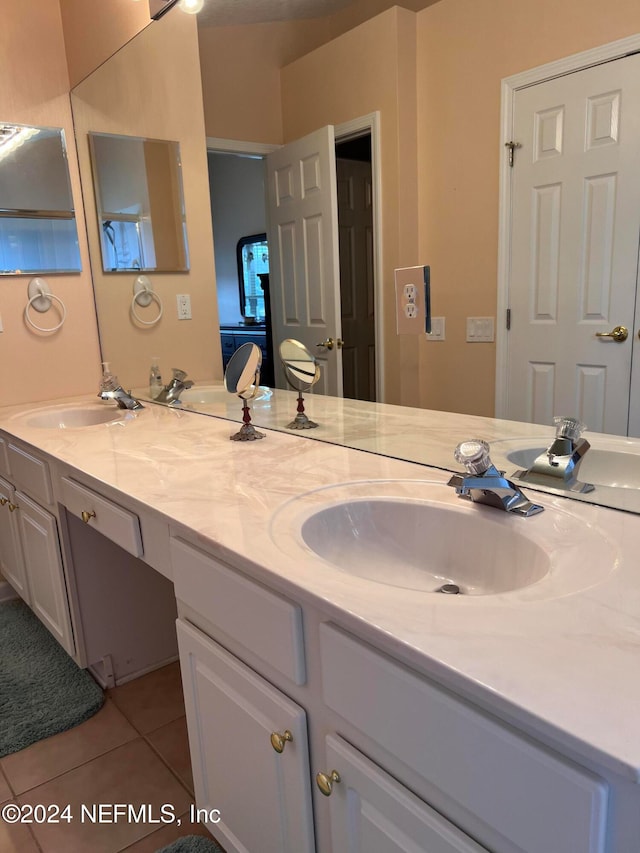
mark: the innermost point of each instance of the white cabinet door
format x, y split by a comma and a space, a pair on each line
372, 813
11, 562
43, 566
262, 797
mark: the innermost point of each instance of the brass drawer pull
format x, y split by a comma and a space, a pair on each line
87, 516
279, 741
325, 782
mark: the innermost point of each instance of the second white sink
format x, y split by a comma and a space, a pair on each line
419, 535
74, 416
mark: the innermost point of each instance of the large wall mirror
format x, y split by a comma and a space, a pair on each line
38, 231
140, 203
441, 199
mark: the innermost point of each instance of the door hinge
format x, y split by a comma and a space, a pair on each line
508, 318
512, 147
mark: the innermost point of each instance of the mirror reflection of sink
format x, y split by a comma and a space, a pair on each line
419, 535
74, 416
612, 468
203, 394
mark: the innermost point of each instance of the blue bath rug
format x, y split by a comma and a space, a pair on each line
192, 844
42, 690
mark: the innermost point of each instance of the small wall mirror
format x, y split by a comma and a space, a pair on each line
242, 378
301, 371
38, 231
140, 203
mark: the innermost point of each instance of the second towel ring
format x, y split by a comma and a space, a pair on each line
144, 295
40, 299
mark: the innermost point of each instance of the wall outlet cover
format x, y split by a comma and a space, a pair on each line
412, 300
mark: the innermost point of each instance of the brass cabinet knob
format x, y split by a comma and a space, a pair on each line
279, 741
619, 334
87, 516
325, 781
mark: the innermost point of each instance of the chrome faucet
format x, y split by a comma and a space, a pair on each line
110, 389
121, 397
484, 484
171, 392
558, 466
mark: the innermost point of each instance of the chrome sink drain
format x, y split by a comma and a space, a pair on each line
450, 589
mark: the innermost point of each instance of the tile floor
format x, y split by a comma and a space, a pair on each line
134, 750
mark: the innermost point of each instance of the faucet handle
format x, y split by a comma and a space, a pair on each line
474, 455
570, 428
178, 374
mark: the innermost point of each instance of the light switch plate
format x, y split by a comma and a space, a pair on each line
480, 330
437, 329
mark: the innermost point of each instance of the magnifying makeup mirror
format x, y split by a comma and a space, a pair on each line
242, 378
301, 371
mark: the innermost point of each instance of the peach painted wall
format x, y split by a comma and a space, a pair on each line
94, 31
372, 68
240, 68
465, 48
141, 94
34, 89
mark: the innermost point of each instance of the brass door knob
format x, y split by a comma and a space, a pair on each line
12, 507
279, 741
619, 334
328, 343
325, 781
339, 343
87, 516
3, 501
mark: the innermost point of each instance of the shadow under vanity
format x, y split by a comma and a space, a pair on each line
340, 712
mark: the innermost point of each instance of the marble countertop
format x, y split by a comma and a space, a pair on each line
563, 665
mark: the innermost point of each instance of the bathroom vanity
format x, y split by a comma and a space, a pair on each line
328, 709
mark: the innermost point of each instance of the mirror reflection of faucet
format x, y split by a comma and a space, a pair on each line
171, 392
484, 484
558, 466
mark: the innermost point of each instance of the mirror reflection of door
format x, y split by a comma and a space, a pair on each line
238, 195
574, 240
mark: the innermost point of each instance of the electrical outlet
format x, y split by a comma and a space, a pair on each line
410, 300
411, 292
184, 306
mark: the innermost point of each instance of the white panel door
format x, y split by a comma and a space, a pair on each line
575, 227
372, 813
263, 797
11, 562
304, 276
43, 566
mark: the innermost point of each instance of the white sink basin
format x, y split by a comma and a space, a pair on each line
203, 394
74, 416
612, 468
419, 535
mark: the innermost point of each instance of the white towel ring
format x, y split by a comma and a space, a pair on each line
40, 299
144, 295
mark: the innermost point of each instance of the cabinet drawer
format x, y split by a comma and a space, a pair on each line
113, 521
30, 474
536, 800
264, 623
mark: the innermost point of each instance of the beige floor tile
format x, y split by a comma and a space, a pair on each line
167, 835
53, 756
5, 790
132, 775
152, 700
172, 743
16, 838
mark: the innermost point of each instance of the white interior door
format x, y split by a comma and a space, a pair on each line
302, 215
574, 238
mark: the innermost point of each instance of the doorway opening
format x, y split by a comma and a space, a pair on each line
237, 182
